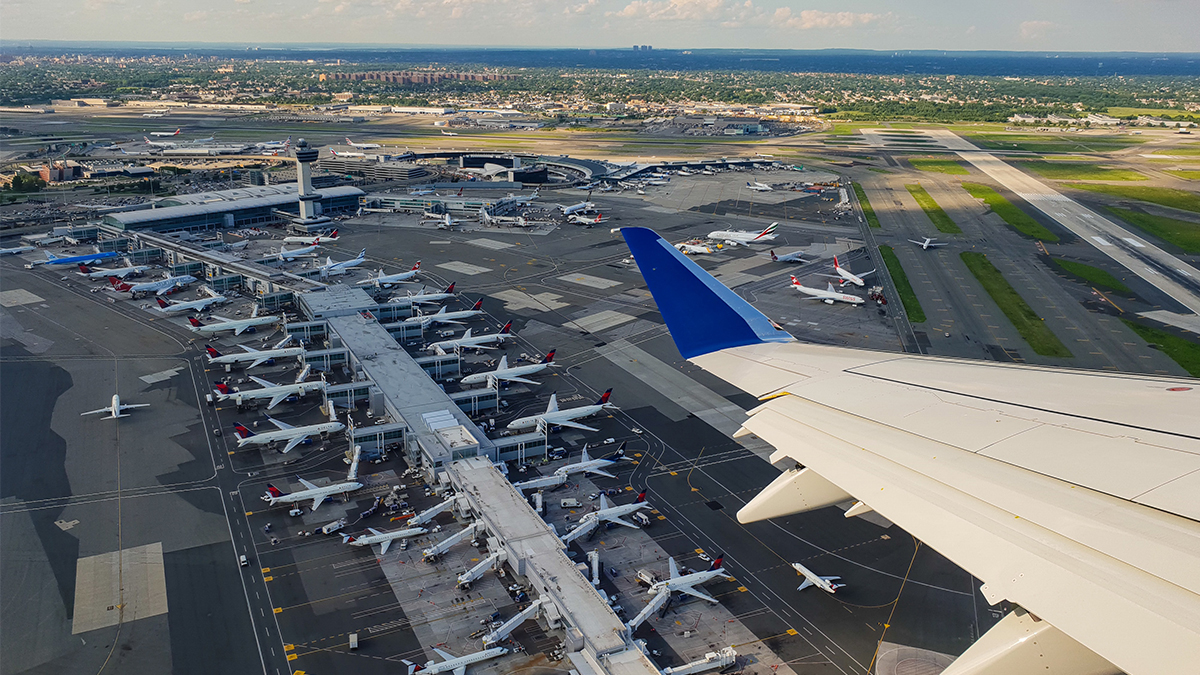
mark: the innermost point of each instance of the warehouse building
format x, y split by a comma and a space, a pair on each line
241, 207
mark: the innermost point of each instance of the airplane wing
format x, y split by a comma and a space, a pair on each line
283, 426
127, 406
1069, 493
164, 291
374, 531
317, 502
249, 350
461, 670
293, 443
673, 567
514, 378
240, 329
444, 655
572, 425
600, 472
278, 398
383, 547
805, 584
266, 384
618, 520
94, 412
697, 594
307, 485
258, 362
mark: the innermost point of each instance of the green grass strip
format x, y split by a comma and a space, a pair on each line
1092, 275
1182, 233
1020, 221
1186, 174
1031, 326
868, 212
938, 166
1176, 199
1184, 352
940, 220
1079, 171
912, 306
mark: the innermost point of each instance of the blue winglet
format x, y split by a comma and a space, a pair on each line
702, 314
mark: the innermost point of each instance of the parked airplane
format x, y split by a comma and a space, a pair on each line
238, 326
514, 374
421, 192
86, 259
380, 280
810, 579
316, 494
364, 146
846, 275
607, 514
274, 145
742, 237
760, 187
588, 220
116, 409
688, 248
160, 144
929, 243
168, 306
277, 393
288, 434
661, 591
592, 466
553, 417
330, 267
443, 316
581, 207
254, 356
468, 341
118, 272
335, 153
794, 257
423, 298
828, 296
449, 133
285, 255
312, 240
167, 133
384, 539
454, 664
160, 287
17, 250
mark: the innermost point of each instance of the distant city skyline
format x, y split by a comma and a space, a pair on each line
1016, 25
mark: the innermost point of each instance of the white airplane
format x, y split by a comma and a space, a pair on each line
254, 356
312, 240
421, 192
553, 417
828, 296
794, 257
342, 267
846, 275
449, 133
335, 153
274, 145
658, 182
760, 187
810, 579
160, 144
587, 219
168, 306
384, 539
607, 514
1003, 506
160, 287
285, 255
581, 207
238, 326
514, 374
17, 250
688, 248
660, 592
380, 280
443, 316
277, 393
454, 664
116, 409
316, 494
468, 341
929, 243
119, 272
168, 134
364, 146
744, 238
591, 466
288, 434
423, 298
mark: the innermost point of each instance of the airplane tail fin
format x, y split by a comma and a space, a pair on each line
835, 263
346, 539
641, 498
621, 450
191, 319
164, 304
273, 491
222, 388
796, 282
507, 330
243, 432
478, 305
415, 268
774, 257
604, 397
333, 235
450, 288
212, 353
84, 268
549, 358
770, 229
716, 563
680, 285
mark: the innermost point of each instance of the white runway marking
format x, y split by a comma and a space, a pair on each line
160, 376
514, 300
490, 243
1102, 241
464, 268
98, 587
601, 321
1135, 242
589, 281
18, 296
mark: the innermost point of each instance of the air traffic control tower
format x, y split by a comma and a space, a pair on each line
309, 198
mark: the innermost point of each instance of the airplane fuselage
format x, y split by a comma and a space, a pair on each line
255, 356
517, 371
300, 389
319, 493
214, 328
282, 435
554, 418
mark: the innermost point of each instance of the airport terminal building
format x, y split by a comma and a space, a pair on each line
241, 207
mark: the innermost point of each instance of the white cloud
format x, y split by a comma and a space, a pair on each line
672, 10
199, 15
809, 19
1033, 30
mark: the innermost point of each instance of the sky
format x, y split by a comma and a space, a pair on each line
1017, 25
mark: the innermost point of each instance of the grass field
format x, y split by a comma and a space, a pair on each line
1181, 233
1079, 171
1052, 142
1031, 326
940, 219
849, 128
1182, 152
1184, 352
1020, 221
868, 211
1176, 199
1186, 174
1127, 112
938, 166
1091, 275
912, 306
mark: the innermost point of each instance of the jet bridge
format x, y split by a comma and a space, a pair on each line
511, 625
551, 481
472, 530
432, 512
483, 566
